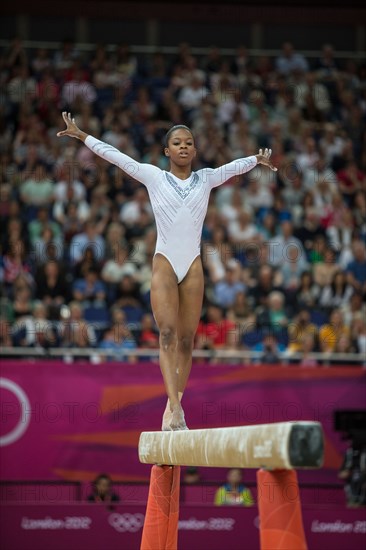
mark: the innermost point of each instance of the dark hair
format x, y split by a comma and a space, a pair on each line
100, 477
172, 129
344, 282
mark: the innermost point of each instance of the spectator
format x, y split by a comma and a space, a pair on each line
356, 269
225, 291
102, 490
330, 333
338, 293
274, 318
126, 62
327, 66
230, 211
325, 271
290, 61
234, 492
118, 339
22, 297
344, 345
353, 472
351, 180
6, 340
241, 311
318, 249
311, 233
51, 283
75, 332
242, 230
128, 293
292, 270
37, 189
359, 212
78, 90
331, 144
309, 157
213, 332
307, 347
70, 213
270, 350
268, 228
87, 261
264, 285
280, 244
48, 246
65, 56
192, 95
89, 238
15, 264
115, 269
149, 337
358, 333
138, 211
22, 87
41, 61
42, 221
316, 90
89, 290
69, 187
36, 330
115, 240
354, 307
191, 476
307, 293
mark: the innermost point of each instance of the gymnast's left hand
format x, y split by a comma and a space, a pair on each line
71, 129
264, 158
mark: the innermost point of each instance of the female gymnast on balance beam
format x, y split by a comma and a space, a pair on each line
179, 199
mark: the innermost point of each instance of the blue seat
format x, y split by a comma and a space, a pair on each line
133, 314
99, 316
318, 317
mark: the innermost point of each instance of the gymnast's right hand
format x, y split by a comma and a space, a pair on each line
71, 129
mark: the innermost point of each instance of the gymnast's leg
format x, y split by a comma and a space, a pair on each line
165, 306
189, 312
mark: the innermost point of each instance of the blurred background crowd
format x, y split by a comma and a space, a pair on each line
284, 253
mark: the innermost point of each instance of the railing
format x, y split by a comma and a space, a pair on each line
203, 492
234, 356
172, 50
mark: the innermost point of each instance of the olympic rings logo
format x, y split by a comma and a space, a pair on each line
126, 523
24, 420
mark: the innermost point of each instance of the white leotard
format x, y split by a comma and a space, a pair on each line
179, 206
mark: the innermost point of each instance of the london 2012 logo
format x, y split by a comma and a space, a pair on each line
24, 412
126, 523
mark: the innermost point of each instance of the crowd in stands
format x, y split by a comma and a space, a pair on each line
284, 253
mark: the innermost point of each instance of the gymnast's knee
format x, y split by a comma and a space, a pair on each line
185, 343
168, 337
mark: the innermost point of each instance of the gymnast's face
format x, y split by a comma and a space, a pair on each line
181, 149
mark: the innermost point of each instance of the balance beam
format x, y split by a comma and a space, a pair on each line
281, 445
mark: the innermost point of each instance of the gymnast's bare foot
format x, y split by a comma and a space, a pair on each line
176, 420
167, 418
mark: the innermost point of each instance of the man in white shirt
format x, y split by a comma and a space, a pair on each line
88, 239
279, 245
289, 61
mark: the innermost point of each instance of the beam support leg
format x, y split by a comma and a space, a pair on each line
162, 513
280, 517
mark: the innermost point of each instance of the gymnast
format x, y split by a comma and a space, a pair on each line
179, 199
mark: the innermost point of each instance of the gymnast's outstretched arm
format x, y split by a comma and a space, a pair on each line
145, 173
217, 176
